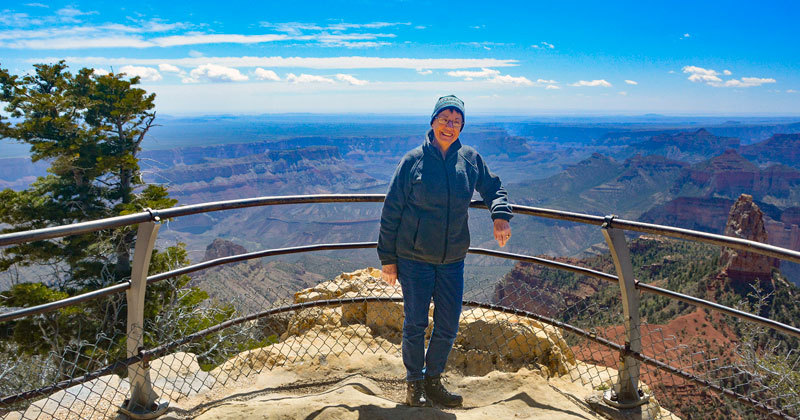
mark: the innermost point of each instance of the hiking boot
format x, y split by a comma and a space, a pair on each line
415, 394
438, 394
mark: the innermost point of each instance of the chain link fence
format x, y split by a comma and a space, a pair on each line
559, 330
560, 324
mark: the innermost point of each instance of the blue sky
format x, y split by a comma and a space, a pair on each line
397, 57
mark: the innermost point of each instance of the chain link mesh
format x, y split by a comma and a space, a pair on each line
560, 327
77, 378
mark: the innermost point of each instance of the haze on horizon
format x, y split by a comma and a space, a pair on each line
395, 57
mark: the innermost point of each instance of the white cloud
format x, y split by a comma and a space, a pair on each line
711, 78
115, 35
44, 6
69, 13
356, 44
307, 78
543, 46
216, 73
486, 45
153, 25
342, 62
622, 93
552, 87
147, 74
292, 28
372, 25
549, 82
686, 35
17, 20
262, 74
593, 83
469, 75
196, 54
490, 75
74, 43
631, 82
791, 91
179, 40
332, 35
295, 28
350, 79
100, 72
75, 36
424, 72
169, 68
359, 40
748, 82
507, 79
699, 74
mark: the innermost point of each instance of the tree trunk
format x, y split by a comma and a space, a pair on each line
126, 242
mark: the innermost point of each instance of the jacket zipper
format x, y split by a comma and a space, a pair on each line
447, 223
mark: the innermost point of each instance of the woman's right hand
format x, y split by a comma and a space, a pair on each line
389, 273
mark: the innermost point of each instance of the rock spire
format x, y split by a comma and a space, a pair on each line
746, 221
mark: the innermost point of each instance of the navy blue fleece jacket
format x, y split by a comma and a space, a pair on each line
425, 214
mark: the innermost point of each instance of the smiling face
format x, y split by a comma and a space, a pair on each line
448, 132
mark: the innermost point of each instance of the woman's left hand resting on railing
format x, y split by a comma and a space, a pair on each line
502, 231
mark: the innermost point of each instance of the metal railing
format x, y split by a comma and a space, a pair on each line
625, 393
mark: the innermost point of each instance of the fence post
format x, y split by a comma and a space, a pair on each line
626, 392
142, 402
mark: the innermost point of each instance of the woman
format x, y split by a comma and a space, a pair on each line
424, 239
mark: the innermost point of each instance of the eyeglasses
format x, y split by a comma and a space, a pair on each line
444, 121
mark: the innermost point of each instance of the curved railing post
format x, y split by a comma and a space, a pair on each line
625, 393
142, 402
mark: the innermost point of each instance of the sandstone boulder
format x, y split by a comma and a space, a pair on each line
488, 340
510, 341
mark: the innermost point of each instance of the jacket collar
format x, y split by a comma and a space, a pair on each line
430, 147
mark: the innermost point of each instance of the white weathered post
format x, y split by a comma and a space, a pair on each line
626, 391
142, 402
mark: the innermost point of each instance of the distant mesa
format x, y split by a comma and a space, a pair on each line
780, 148
746, 221
730, 174
690, 147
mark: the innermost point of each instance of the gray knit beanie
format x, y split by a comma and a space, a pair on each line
449, 101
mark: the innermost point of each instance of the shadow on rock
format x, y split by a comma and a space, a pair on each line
371, 412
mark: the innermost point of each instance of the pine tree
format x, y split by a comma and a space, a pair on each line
90, 128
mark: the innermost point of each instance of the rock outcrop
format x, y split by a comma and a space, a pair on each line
343, 360
487, 340
746, 221
222, 248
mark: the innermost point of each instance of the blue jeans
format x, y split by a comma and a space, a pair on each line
420, 282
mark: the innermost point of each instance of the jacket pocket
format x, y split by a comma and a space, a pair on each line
429, 240
416, 235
